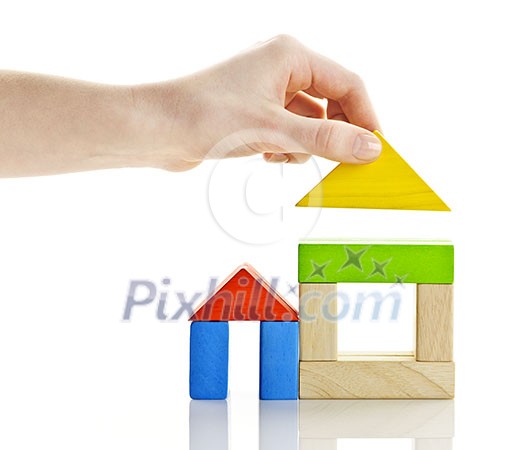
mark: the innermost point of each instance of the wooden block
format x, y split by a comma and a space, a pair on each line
278, 425
401, 378
377, 262
245, 295
209, 360
362, 419
279, 361
212, 416
388, 183
435, 308
318, 327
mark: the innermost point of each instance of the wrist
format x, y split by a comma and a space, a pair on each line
157, 125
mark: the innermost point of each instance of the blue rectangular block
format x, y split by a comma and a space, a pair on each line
209, 360
279, 366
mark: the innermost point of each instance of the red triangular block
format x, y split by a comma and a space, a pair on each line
245, 295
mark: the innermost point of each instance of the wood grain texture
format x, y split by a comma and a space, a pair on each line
318, 326
403, 378
361, 419
401, 261
435, 308
388, 183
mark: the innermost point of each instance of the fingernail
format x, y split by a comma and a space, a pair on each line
278, 158
367, 147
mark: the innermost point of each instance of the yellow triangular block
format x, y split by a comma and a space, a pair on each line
388, 183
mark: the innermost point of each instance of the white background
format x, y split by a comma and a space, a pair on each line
447, 82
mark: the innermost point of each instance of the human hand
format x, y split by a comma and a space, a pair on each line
260, 101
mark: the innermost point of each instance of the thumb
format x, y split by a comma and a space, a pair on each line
333, 139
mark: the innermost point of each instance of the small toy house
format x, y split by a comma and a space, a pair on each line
244, 295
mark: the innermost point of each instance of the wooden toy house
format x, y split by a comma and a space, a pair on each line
317, 370
244, 295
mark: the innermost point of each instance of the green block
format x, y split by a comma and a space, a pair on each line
429, 262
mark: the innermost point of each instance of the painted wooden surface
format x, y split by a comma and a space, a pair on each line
279, 361
209, 360
376, 262
388, 183
245, 295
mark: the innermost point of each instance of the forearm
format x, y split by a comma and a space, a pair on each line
261, 101
52, 125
